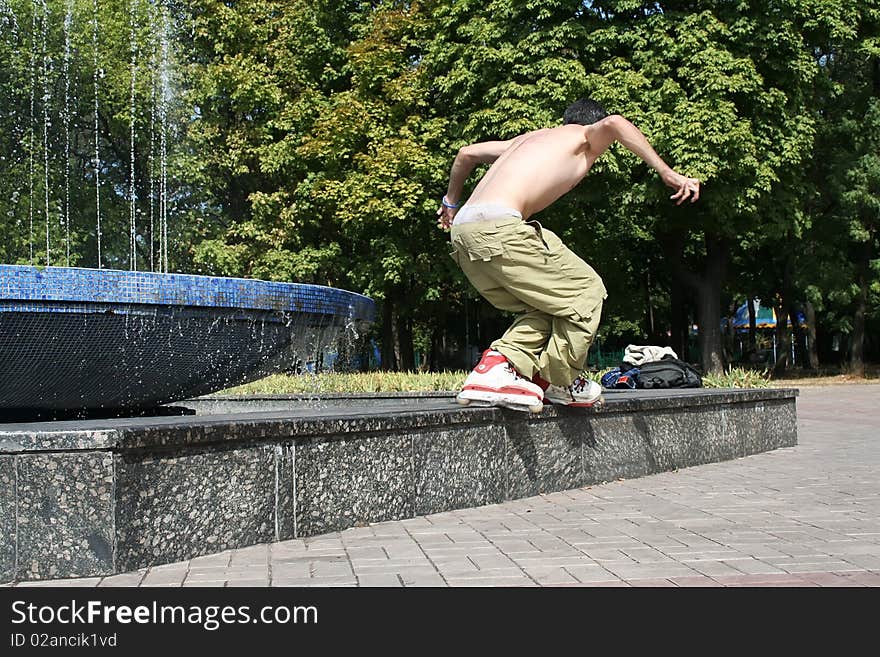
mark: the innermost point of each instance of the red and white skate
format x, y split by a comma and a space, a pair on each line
494, 382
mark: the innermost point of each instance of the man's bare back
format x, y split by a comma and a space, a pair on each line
530, 172
536, 169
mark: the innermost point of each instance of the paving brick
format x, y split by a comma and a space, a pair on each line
210, 584
864, 578
389, 565
488, 561
258, 582
574, 560
385, 580
607, 554
163, 579
829, 579
250, 555
299, 569
512, 580
591, 573
366, 552
463, 552
85, 582
221, 559
423, 580
320, 569
701, 581
864, 561
650, 570
126, 580
551, 576
652, 582
760, 580
314, 581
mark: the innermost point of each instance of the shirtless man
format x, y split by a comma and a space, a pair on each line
519, 266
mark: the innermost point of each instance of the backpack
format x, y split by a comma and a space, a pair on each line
620, 379
669, 372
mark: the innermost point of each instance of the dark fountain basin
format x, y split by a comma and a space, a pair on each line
90, 341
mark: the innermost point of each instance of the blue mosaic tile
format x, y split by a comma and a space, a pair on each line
20, 283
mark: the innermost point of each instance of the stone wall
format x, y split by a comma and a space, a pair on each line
96, 497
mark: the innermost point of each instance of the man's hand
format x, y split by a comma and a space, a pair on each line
445, 216
685, 188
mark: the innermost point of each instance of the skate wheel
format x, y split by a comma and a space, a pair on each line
537, 408
463, 402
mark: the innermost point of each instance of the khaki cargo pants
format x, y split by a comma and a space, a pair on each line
524, 268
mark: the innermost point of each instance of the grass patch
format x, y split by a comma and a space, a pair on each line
352, 382
738, 377
327, 382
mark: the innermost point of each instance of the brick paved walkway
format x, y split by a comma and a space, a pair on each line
802, 516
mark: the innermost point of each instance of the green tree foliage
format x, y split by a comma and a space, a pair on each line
840, 273
263, 74
311, 141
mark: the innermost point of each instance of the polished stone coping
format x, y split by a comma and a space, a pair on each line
244, 418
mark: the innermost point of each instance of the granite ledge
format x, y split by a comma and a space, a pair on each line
433, 411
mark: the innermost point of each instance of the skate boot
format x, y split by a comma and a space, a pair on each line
494, 382
582, 392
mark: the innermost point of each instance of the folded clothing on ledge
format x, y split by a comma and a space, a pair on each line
638, 355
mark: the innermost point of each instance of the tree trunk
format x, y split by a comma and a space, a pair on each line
781, 307
673, 251
812, 347
436, 346
753, 326
404, 349
709, 305
708, 320
708, 290
678, 338
857, 358
783, 338
388, 359
796, 337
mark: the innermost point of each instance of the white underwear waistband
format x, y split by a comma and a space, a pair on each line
484, 212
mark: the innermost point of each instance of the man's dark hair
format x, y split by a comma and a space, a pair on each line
584, 111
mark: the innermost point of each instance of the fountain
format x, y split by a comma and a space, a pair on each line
82, 343
78, 341
86, 341
114, 454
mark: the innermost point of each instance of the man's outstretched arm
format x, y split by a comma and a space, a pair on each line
612, 128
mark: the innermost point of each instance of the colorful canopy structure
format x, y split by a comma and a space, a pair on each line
765, 317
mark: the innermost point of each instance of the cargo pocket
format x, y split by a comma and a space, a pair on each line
484, 252
535, 229
584, 309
